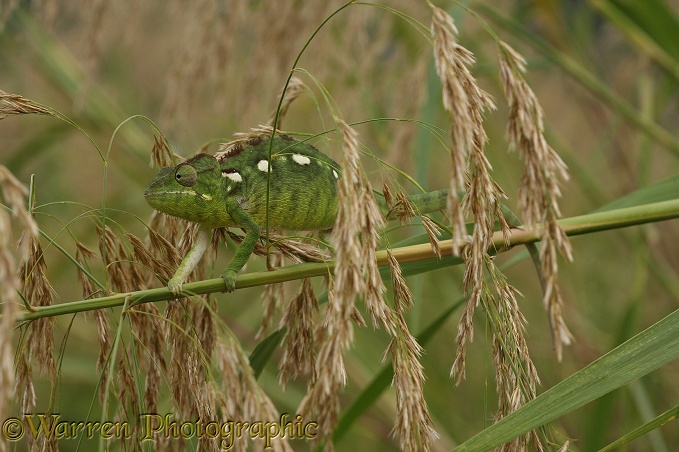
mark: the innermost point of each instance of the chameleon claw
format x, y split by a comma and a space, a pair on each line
230, 280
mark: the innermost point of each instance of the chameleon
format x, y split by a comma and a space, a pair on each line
229, 189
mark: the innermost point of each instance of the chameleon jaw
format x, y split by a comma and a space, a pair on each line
149, 195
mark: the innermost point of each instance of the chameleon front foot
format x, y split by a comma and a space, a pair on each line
230, 280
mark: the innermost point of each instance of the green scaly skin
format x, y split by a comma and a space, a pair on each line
231, 192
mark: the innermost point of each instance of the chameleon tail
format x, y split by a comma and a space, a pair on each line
434, 201
421, 203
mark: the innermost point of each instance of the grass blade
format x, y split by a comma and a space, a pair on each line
645, 352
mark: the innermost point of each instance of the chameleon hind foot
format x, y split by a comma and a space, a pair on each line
230, 280
175, 285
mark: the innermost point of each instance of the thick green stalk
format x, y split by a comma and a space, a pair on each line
583, 224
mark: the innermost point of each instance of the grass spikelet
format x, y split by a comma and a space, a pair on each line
113, 253
403, 208
516, 376
14, 193
24, 387
414, 428
243, 398
82, 255
323, 397
295, 88
299, 356
204, 321
322, 400
15, 104
272, 296
158, 265
161, 155
434, 232
37, 290
451, 60
159, 245
126, 389
183, 357
539, 190
356, 228
9, 299
355, 238
31, 281
370, 240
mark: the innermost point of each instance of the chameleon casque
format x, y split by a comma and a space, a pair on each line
229, 190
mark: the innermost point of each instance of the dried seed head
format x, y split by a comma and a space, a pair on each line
244, 399
38, 291
356, 234
465, 335
31, 281
204, 319
403, 298
414, 427
159, 246
272, 297
299, 356
82, 255
9, 299
294, 249
158, 265
24, 386
434, 232
539, 190
466, 103
293, 91
403, 209
14, 104
322, 401
126, 389
14, 193
161, 155
184, 357
388, 197
374, 286
113, 253
241, 138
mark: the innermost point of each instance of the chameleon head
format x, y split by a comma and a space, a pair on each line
187, 190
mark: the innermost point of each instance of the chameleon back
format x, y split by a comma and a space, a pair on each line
302, 182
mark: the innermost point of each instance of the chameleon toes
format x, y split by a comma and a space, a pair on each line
174, 286
230, 280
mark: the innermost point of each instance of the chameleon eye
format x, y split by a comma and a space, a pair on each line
186, 175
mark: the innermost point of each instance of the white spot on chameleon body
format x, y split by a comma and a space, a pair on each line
301, 159
334, 173
233, 175
263, 165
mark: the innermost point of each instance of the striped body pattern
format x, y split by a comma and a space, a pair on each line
302, 186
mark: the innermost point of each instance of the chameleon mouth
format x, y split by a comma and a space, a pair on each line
152, 193
148, 194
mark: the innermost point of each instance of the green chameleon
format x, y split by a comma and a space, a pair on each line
230, 191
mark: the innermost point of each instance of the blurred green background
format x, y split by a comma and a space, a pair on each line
206, 69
